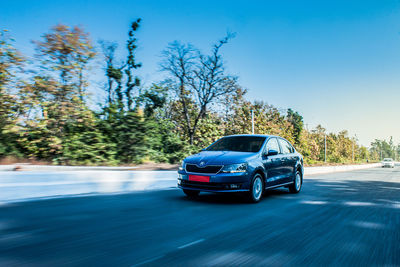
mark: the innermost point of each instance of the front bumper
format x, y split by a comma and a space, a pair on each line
232, 182
388, 165
210, 187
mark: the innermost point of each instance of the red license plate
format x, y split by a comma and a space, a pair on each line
199, 178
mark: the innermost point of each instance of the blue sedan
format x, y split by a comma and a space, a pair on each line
243, 163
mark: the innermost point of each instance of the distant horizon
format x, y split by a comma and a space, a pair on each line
336, 63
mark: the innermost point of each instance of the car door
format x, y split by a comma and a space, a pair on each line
272, 163
288, 160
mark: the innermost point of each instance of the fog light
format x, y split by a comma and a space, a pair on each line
179, 181
235, 186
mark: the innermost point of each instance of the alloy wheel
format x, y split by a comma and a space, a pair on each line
257, 188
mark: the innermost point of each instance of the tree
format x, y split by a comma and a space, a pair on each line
297, 122
58, 87
198, 80
179, 61
236, 113
11, 62
163, 139
152, 99
66, 52
382, 149
123, 121
122, 96
108, 51
54, 98
131, 64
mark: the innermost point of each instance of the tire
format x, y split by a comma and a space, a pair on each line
256, 189
297, 183
191, 193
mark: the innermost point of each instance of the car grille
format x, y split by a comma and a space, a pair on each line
206, 186
210, 169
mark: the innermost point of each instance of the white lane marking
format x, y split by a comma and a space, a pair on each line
191, 243
314, 202
147, 261
396, 205
387, 187
332, 185
12, 184
358, 203
43, 183
370, 225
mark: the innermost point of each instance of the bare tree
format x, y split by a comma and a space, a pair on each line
179, 61
200, 79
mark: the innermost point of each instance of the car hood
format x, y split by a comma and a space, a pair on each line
220, 157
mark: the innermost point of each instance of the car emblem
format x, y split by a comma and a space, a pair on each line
202, 164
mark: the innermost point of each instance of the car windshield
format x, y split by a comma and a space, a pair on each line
238, 143
387, 159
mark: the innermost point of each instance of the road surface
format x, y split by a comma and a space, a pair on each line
341, 219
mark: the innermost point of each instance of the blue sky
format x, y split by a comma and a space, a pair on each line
336, 62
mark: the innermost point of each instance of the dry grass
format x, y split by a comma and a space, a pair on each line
152, 166
13, 160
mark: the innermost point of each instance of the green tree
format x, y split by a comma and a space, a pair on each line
381, 149
164, 140
11, 62
64, 55
59, 126
122, 119
297, 122
122, 94
131, 65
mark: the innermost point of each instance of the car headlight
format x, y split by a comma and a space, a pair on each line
235, 168
182, 167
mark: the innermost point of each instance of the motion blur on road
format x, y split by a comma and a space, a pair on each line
341, 219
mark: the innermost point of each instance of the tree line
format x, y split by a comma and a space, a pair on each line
46, 113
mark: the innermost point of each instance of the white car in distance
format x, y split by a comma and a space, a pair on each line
388, 162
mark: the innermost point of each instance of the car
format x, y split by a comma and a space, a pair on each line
388, 162
248, 164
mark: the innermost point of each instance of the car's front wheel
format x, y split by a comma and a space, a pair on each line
191, 193
256, 189
297, 183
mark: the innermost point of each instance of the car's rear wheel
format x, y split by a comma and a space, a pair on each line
191, 193
256, 189
297, 183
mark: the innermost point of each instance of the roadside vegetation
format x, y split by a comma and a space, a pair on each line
48, 115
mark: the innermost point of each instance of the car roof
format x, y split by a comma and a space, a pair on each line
257, 135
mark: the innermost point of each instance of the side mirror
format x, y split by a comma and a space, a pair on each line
271, 152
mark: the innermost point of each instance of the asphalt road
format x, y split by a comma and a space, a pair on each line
342, 219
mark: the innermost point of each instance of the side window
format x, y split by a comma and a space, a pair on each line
286, 147
272, 144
